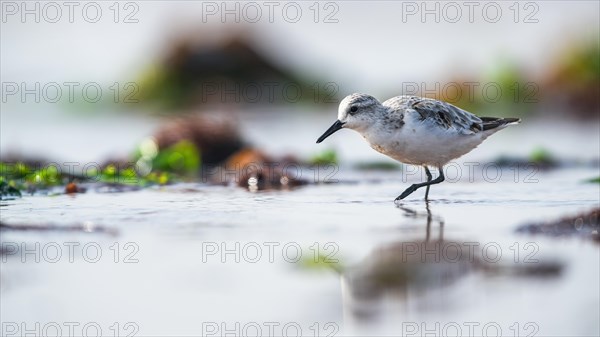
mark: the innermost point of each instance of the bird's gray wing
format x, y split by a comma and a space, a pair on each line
400, 103
446, 115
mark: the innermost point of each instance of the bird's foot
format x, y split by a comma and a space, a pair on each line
406, 192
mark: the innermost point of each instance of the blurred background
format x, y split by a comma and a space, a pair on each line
160, 98
159, 61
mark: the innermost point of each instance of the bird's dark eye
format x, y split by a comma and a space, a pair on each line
353, 108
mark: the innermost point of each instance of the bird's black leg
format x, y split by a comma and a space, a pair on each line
429, 177
415, 187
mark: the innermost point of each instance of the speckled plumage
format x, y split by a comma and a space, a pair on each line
443, 114
415, 130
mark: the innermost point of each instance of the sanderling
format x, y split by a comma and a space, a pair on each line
416, 130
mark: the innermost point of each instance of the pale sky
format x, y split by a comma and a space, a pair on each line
374, 44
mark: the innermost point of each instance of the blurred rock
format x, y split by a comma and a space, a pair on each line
8, 192
257, 171
539, 158
197, 71
586, 225
216, 137
74, 188
85, 227
71, 188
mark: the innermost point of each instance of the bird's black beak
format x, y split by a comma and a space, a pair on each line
336, 126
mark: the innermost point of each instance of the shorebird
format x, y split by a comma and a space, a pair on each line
416, 130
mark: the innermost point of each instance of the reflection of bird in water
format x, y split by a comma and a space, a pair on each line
416, 130
405, 270
414, 214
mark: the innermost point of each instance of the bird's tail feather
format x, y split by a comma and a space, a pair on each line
495, 122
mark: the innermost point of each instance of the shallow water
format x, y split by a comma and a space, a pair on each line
192, 259
211, 260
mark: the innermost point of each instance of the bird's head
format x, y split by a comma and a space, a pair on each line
356, 112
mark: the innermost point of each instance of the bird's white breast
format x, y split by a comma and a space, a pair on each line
418, 142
